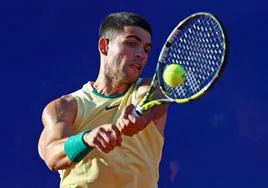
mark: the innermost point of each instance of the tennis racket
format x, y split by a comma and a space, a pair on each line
198, 45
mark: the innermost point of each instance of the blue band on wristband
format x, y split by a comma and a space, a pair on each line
76, 148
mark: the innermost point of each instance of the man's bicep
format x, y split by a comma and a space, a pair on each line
52, 134
58, 117
63, 109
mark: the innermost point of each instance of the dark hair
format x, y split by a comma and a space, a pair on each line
115, 23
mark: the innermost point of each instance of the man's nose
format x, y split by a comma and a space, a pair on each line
141, 53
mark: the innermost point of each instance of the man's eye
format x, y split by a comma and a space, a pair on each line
132, 44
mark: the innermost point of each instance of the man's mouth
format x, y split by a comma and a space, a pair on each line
136, 66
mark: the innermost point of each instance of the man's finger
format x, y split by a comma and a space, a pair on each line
116, 131
104, 143
127, 110
99, 146
109, 138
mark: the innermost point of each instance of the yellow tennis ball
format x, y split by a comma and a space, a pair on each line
174, 75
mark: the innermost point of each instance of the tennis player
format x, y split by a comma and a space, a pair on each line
90, 135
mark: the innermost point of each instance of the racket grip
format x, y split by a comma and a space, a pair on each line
136, 113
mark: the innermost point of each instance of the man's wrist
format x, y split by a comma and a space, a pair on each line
86, 138
76, 148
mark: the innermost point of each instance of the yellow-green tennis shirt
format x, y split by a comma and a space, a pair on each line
134, 164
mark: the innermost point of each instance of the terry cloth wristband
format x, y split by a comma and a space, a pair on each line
76, 148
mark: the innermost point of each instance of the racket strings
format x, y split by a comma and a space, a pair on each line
198, 47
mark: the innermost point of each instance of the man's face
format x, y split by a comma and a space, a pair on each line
128, 53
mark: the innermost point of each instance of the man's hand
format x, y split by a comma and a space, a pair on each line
105, 138
130, 125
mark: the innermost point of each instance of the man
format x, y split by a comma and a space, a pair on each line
90, 136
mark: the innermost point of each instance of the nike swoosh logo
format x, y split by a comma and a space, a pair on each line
111, 107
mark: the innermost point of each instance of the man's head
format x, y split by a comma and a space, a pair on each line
124, 46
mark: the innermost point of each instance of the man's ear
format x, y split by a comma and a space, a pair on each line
103, 45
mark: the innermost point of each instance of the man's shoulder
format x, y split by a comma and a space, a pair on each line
144, 82
68, 98
145, 86
65, 101
61, 107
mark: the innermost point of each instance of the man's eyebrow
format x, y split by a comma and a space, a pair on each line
134, 36
138, 38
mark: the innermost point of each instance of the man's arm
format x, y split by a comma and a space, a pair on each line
157, 114
58, 118
129, 125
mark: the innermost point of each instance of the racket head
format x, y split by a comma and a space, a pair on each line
198, 44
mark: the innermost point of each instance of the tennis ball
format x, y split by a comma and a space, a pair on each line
174, 75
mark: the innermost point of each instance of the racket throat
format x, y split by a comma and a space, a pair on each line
136, 112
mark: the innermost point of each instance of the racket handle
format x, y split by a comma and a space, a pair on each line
136, 113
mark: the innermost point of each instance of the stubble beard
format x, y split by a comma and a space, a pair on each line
116, 76
119, 75
122, 77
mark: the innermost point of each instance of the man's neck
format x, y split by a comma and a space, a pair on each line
109, 88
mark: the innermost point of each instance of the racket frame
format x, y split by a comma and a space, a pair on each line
145, 104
